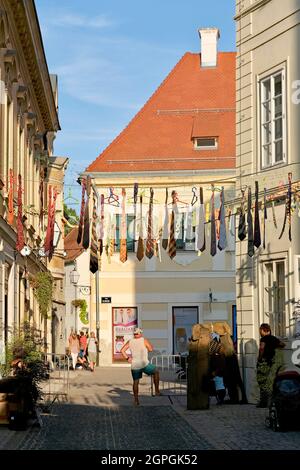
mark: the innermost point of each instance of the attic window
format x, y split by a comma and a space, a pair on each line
205, 143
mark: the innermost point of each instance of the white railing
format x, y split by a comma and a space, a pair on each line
172, 373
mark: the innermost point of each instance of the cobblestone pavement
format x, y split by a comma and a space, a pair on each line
100, 415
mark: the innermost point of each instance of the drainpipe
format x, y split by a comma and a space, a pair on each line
97, 294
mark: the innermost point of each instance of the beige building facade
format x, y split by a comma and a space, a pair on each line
28, 123
268, 144
182, 140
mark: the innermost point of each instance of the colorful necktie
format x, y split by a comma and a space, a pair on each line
123, 241
257, 236
250, 225
49, 222
242, 221
265, 216
101, 228
86, 229
135, 197
288, 207
41, 193
172, 241
10, 215
20, 233
201, 225
53, 213
81, 219
213, 240
274, 214
140, 248
165, 235
150, 241
93, 250
222, 237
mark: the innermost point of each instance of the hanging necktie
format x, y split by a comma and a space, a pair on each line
112, 235
53, 213
250, 225
108, 237
10, 214
81, 218
149, 240
123, 240
41, 193
165, 235
213, 239
242, 220
188, 233
172, 241
223, 237
101, 227
288, 208
93, 250
86, 228
265, 216
257, 236
20, 232
135, 197
274, 214
49, 222
140, 248
201, 224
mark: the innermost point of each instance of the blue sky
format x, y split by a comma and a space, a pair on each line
110, 56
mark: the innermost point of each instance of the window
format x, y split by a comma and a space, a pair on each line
274, 296
205, 143
272, 97
130, 241
182, 242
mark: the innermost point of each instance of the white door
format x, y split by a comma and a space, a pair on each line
183, 320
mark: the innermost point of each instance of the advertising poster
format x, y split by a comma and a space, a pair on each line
124, 322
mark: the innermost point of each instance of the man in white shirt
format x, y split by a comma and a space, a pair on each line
139, 361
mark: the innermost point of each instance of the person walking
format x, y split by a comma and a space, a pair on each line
269, 363
74, 348
92, 350
139, 347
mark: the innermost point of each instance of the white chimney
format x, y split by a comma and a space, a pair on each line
209, 46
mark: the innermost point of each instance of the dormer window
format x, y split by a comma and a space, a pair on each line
205, 143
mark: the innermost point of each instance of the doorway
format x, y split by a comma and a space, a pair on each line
183, 320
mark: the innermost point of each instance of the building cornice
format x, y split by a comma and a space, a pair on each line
150, 174
251, 9
26, 22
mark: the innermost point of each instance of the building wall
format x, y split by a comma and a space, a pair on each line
81, 291
155, 287
27, 113
267, 41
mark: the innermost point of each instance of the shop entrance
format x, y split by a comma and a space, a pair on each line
183, 320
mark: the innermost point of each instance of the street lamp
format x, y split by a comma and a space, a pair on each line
74, 278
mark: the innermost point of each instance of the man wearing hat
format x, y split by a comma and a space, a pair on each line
139, 347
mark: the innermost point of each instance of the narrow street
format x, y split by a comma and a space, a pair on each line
100, 416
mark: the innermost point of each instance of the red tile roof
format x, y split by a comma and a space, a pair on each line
190, 100
72, 249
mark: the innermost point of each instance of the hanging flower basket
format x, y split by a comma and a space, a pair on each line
82, 304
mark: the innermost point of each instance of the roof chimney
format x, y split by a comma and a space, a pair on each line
209, 50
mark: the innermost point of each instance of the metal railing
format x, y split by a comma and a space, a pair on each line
172, 373
57, 385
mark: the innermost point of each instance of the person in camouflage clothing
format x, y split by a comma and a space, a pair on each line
269, 363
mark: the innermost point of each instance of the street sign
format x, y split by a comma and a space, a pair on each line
106, 300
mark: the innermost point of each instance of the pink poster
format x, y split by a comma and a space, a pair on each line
124, 322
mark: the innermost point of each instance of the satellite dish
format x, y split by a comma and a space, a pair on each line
25, 251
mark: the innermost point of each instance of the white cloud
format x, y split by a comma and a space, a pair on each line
73, 20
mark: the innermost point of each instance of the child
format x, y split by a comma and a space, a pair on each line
220, 389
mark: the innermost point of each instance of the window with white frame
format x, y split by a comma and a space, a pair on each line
206, 143
273, 119
274, 288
